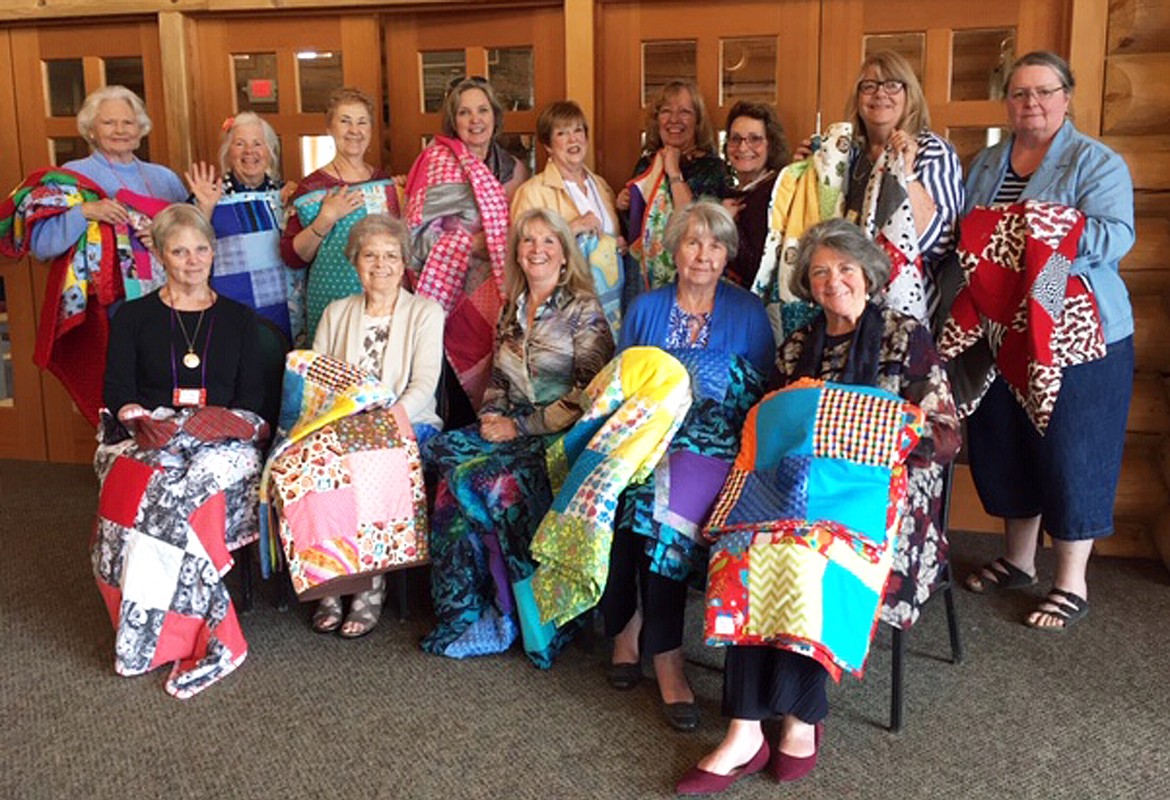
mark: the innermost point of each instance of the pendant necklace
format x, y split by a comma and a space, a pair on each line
191, 359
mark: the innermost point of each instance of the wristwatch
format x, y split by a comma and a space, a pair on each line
676, 179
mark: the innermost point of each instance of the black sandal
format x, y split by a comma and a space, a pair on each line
996, 576
1065, 606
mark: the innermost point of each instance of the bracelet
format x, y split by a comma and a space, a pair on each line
676, 179
314, 231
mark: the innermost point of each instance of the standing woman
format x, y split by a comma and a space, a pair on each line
330, 200
580, 196
246, 207
756, 150
1063, 482
458, 191
679, 164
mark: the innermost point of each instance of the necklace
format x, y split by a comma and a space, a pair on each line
109, 165
191, 359
340, 177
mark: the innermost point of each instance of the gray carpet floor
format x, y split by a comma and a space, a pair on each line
1082, 714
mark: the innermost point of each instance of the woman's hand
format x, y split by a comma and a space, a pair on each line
131, 412
672, 161
339, 201
586, 223
802, 151
479, 246
205, 185
142, 231
622, 201
287, 192
109, 211
496, 428
733, 205
907, 145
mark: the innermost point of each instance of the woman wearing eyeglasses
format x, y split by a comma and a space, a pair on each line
756, 150
1063, 480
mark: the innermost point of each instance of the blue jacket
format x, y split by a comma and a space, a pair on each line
1079, 172
739, 324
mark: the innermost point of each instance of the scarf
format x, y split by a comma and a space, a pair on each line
861, 366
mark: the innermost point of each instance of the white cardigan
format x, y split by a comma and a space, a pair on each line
414, 354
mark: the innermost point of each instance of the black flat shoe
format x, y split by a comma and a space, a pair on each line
623, 677
681, 716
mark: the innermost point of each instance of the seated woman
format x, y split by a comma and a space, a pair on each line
389, 332
580, 196
246, 206
721, 334
493, 488
179, 462
853, 341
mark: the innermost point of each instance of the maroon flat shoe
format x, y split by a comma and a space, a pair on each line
697, 781
787, 769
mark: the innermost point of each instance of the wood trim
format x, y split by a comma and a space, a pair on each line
1086, 56
580, 39
177, 70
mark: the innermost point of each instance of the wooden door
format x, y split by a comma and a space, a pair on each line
521, 50
284, 68
55, 68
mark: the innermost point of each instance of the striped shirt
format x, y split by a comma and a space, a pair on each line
941, 174
1012, 187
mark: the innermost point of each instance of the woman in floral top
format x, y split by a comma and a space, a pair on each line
493, 488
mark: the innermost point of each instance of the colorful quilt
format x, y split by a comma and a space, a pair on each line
1019, 298
452, 197
331, 276
167, 522
888, 219
248, 267
344, 478
804, 527
650, 207
601, 252
804, 194
106, 264
638, 402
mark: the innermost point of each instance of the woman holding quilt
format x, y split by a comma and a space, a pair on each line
852, 341
721, 334
459, 190
493, 487
329, 201
1046, 454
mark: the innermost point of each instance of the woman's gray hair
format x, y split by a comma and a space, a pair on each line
89, 109
377, 225
710, 217
270, 140
455, 94
174, 218
848, 240
1042, 58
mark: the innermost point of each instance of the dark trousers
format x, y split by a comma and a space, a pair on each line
663, 600
764, 682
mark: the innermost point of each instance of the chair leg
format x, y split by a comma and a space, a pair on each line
400, 580
953, 625
245, 567
898, 649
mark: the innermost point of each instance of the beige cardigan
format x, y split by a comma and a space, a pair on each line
547, 190
414, 354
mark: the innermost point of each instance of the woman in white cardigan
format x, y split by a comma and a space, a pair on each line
396, 335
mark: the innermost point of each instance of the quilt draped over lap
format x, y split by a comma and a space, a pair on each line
1019, 301
804, 527
106, 264
167, 522
344, 479
805, 193
452, 196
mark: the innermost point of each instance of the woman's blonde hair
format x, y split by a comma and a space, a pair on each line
455, 94
892, 67
704, 130
174, 218
576, 277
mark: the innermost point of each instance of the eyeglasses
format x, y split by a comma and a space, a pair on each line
891, 86
752, 140
1043, 94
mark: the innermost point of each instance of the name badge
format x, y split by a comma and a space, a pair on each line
188, 398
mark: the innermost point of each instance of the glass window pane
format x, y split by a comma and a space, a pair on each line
127, 72
521, 145
255, 79
749, 70
440, 69
663, 62
65, 86
316, 152
969, 141
979, 61
911, 46
67, 149
318, 74
512, 74
5, 351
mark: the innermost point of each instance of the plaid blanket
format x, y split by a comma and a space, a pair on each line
106, 264
167, 522
248, 267
452, 195
1019, 298
804, 194
638, 402
804, 526
344, 478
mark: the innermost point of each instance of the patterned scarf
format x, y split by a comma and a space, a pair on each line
650, 207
